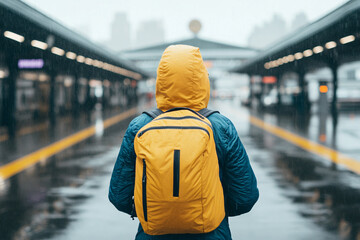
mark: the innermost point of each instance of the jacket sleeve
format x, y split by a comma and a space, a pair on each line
240, 181
121, 190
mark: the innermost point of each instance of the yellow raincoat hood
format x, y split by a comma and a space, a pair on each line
182, 79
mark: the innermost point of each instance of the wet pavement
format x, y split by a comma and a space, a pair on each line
302, 196
34, 136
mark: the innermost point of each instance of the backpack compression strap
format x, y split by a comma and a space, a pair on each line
207, 112
153, 113
156, 112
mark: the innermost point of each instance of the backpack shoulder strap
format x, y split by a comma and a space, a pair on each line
207, 112
153, 113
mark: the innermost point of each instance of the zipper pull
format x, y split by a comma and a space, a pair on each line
133, 212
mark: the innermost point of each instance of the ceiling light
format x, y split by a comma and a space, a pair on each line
39, 44
57, 51
318, 49
308, 53
291, 58
279, 61
71, 55
88, 61
2, 74
298, 56
80, 59
330, 45
347, 39
14, 36
273, 64
285, 59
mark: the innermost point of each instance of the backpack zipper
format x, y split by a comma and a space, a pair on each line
144, 190
133, 212
173, 127
176, 174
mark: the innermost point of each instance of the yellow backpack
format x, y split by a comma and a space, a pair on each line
177, 183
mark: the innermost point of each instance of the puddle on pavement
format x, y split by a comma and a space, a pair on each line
323, 193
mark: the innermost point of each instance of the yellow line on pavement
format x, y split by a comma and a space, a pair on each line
313, 147
27, 161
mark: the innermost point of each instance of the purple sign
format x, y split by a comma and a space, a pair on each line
30, 63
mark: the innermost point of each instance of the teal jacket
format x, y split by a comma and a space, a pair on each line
236, 175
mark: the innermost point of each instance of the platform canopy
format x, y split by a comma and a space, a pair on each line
332, 40
34, 31
216, 55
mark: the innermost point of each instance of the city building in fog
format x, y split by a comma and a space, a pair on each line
262, 36
120, 33
149, 33
300, 20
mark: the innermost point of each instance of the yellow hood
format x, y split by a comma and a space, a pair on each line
182, 79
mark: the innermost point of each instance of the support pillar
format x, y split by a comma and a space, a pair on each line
334, 111
334, 143
301, 102
90, 101
278, 85
3, 102
323, 110
52, 111
251, 90
262, 91
103, 97
302, 89
87, 102
10, 99
75, 103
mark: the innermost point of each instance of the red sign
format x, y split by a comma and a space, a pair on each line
269, 80
133, 83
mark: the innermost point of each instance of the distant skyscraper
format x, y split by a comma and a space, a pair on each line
266, 34
120, 33
271, 31
149, 33
299, 21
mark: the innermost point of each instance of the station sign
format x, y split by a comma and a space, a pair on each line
30, 63
269, 79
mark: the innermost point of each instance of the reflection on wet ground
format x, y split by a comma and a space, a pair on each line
316, 188
328, 197
330, 202
301, 195
42, 200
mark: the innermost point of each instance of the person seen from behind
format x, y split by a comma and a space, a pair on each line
182, 169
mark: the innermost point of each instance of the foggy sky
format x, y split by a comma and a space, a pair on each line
229, 21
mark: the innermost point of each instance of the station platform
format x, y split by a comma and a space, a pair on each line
303, 193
